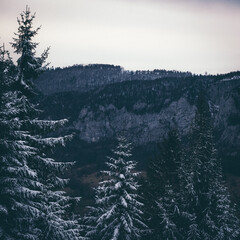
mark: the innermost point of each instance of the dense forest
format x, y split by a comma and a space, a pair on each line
164, 178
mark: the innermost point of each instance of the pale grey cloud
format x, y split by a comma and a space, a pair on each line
196, 35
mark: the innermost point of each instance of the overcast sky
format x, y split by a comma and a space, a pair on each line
187, 35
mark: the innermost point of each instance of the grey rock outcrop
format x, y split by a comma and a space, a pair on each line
109, 121
144, 111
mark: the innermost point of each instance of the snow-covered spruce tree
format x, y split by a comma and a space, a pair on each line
29, 65
223, 210
117, 214
29, 180
164, 189
6, 80
206, 198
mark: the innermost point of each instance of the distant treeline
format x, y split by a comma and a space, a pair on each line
87, 77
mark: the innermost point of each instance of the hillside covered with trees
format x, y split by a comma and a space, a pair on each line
96, 152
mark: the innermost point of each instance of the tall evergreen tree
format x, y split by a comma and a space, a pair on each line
118, 214
29, 65
164, 189
205, 189
29, 179
6, 80
223, 211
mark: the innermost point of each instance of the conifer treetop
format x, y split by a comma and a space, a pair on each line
118, 212
29, 66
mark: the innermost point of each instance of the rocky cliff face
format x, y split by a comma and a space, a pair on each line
225, 95
108, 121
144, 111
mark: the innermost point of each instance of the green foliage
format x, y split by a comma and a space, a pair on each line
29, 66
186, 196
205, 190
163, 193
31, 206
118, 211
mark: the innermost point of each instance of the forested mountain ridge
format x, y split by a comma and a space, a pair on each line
86, 77
143, 110
163, 178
